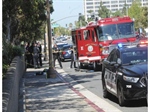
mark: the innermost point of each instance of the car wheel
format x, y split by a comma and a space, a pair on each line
106, 94
120, 95
147, 98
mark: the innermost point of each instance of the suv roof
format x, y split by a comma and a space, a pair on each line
129, 48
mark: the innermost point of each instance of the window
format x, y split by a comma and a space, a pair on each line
114, 1
115, 31
93, 35
79, 35
135, 56
111, 56
86, 34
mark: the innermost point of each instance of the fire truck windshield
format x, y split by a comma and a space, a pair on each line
116, 31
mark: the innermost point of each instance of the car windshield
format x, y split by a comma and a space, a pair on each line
66, 47
134, 57
115, 31
60, 46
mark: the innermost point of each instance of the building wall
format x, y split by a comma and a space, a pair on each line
112, 5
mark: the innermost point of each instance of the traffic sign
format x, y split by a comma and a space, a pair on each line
55, 25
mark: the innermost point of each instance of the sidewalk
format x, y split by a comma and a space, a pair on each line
43, 94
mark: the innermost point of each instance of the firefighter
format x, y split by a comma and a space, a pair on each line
56, 55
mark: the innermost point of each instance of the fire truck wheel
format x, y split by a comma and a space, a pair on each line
81, 66
95, 66
62, 60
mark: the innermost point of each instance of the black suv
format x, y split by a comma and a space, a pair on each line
125, 73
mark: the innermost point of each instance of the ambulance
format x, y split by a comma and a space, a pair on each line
95, 41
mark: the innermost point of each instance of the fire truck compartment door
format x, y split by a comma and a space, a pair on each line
91, 46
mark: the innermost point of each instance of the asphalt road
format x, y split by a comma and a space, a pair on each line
92, 81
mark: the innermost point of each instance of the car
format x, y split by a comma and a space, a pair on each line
66, 52
60, 45
125, 73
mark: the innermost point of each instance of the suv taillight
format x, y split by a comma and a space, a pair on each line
63, 52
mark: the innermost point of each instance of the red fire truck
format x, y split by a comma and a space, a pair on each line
95, 41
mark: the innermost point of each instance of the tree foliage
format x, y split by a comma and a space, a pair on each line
81, 22
61, 31
24, 20
140, 14
117, 13
103, 12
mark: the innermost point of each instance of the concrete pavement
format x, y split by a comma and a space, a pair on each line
59, 94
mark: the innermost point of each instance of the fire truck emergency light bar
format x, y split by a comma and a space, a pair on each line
120, 45
113, 19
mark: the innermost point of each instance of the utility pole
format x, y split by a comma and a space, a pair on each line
50, 73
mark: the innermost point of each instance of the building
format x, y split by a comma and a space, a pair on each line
113, 5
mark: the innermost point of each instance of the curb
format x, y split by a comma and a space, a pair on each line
24, 97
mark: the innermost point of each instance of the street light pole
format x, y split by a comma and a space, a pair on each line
50, 71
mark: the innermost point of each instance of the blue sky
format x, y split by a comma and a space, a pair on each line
66, 11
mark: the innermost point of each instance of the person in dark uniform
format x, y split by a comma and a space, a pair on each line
72, 58
27, 55
40, 54
35, 55
31, 55
56, 55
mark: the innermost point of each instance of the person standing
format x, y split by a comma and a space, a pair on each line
40, 53
35, 55
27, 54
72, 58
56, 55
31, 55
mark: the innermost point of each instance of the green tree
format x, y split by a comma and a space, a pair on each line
135, 11
144, 17
124, 9
89, 18
24, 20
103, 12
117, 13
81, 22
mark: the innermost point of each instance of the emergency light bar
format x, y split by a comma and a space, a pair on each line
143, 43
120, 45
115, 19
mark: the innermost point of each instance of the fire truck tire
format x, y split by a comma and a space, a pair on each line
95, 66
81, 66
62, 60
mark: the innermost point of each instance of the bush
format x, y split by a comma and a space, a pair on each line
9, 52
5, 68
17, 51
